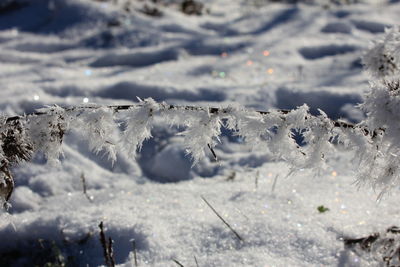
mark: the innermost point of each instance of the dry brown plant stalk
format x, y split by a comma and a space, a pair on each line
107, 247
223, 220
177, 262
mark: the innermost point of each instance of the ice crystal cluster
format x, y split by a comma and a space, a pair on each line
97, 125
46, 131
383, 59
380, 154
376, 140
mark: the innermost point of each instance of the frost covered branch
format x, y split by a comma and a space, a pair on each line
376, 139
43, 131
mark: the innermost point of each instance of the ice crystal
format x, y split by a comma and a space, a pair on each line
139, 123
47, 131
97, 125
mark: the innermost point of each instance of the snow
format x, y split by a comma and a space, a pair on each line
240, 54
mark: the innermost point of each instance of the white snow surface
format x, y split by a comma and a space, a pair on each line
259, 54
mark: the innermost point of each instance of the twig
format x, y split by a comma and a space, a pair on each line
83, 180
222, 219
134, 252
195, 260
211, 110
177, 262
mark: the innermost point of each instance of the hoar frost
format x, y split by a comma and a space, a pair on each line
375, 140
202, 131
47, 131
16, 146
97, 125
382, 60
382, 159
202, 127
139, 123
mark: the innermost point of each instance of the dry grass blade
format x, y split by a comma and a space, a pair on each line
223, 220
177, 262
213, 152
83, 180
195, 260
274, 183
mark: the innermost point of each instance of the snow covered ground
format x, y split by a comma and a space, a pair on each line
260, 54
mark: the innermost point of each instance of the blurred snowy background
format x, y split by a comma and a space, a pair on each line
258, 53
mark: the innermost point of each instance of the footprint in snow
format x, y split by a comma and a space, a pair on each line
320, 51
337, 27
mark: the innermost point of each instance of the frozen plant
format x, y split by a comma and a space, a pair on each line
382, 60
44, 130
379, 162
376, 139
